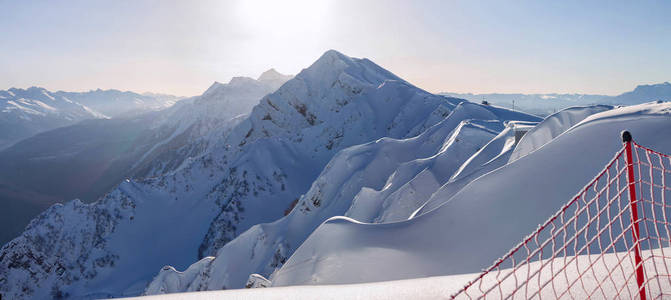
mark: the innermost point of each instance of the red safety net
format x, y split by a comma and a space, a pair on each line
591, 248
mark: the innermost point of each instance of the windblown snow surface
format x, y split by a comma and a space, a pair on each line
481, 221
553, 126
409, 216
441, 287
345, 251
382, 181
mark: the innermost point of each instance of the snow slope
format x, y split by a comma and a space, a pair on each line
438, 287
114, 246
381, 181
492, 156
442, 287
498, 208
553, 126
201, 122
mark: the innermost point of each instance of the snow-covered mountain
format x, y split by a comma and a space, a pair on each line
273, 78
381, 181
252, 175
204, 121
346, 173
88, 159
469, 230
646, 92
546, 104
378, 183
428, 229
115, 103
26, 112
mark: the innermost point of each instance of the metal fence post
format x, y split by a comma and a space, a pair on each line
631, 186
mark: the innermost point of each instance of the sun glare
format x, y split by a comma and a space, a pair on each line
281, 18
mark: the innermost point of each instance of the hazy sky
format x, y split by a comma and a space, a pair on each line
181, 47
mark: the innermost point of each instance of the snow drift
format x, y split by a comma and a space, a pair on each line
498, 208
381, 181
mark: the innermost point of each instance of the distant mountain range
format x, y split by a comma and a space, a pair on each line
545, 104
115, 103
26, 112
89, 158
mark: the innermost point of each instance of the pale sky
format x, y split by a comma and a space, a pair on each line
181, 47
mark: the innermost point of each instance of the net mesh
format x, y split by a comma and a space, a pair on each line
588, 248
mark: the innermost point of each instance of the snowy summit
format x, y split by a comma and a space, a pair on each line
342, 174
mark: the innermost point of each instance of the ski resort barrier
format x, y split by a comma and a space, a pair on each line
612, 240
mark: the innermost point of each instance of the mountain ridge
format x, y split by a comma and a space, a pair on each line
89, 158
249, 175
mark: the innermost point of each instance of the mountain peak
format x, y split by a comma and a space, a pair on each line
237, 83
332, 64
273, 78
334, 54
213, 87
653, 90
241, 80
33, 92
665, 84
36, 88
31, 89
271, 75
645, 92
332, 58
